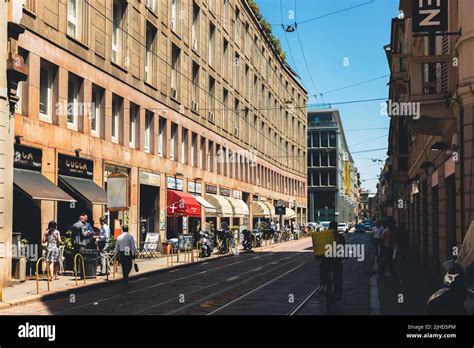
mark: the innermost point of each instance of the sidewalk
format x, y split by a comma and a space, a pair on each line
406, 295
25, 292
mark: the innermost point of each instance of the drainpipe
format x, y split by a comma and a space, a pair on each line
461, 167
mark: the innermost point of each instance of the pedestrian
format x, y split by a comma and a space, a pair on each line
79, 234
388, 243
125, 251
103, 245
52, 238
376, 236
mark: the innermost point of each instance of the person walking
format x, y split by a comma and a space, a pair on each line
125, 251
402, 241
388, 242
103, 245
52, 237
376, 236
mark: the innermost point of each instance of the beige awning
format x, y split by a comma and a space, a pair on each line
239, 207
208, 207
260, 209
290, 214
270, 207
222, 205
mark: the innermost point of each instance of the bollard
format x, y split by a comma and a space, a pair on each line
169, 255
198, 248
37, 275
83, 267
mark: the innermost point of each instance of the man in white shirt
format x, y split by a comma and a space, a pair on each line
376, 237
125, 251
103, 244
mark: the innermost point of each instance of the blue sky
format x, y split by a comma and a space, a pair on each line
356, 37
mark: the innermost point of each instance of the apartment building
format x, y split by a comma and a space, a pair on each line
426, 182
187, 99
332, 176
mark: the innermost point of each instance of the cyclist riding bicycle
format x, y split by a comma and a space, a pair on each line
330, 261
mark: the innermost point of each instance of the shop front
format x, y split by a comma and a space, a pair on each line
260, 212
75, 176
181, 207
207, 209
223, 208
31, 190
240, 210
149, 204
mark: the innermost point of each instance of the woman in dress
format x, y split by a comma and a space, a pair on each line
52, 237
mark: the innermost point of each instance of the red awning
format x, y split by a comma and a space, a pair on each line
182, 204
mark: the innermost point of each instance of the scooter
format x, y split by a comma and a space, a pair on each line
257, 237
458, 295
276, 237
296, 234
206, 244
247, 243
227, 241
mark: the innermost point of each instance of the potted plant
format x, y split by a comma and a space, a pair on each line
69, 251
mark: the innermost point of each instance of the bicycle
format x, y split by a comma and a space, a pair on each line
330, 293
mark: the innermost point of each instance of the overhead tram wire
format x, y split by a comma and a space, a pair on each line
356, 84
288, 41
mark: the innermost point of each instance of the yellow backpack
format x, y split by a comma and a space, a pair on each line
320, 240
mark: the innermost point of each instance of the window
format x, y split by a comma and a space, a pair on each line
332, 139
73, 102
173, 141
194, 149
148, 130
75, 18
161, 136
212, 30
117, 38
46, 92
237, 27
236, 64
212, 99
225, 58
96, 112
195, 86
225, 107
134, 125
202, 153
236, 117
174, 15
116, 109
152, 5
150, 54
195, 27
247, 81
184, 146
175, 54
210, 151
226, 14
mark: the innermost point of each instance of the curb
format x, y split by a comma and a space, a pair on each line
105, 283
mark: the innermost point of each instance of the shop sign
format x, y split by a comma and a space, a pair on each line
117, 192
237, 194
150, 179
280, 208
430, 16
27, 158
224, 192
171, 182
75, 166
211, 189
162, 220
179, 184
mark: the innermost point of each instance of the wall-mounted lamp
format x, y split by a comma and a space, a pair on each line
18, 139
78, 152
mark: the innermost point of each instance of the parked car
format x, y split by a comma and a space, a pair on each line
324, 225
359, 228
342, 227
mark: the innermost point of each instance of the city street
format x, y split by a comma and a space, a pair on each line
273, 281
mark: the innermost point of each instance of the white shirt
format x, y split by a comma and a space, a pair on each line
377, 231
126, 243
104, 233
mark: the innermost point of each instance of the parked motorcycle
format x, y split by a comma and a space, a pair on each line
227, 241
257, 237
458, 295
206, 244
285, 236
247, 243
296, 234
276, 237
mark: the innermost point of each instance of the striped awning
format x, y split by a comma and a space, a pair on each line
208, 207
222, 205
260, 209
290, 214
239, 207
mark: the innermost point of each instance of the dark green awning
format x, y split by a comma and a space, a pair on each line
85, 188
36, 186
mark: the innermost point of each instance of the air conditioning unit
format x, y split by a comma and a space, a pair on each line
173, 24
236, 132
195, 105
174, 93
212, 117
195, 45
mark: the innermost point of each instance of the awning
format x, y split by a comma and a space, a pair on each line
259, 209
208, 207
270, 207
37, 186
290, 214
85, 188
239, 207
182, 204
224, 209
